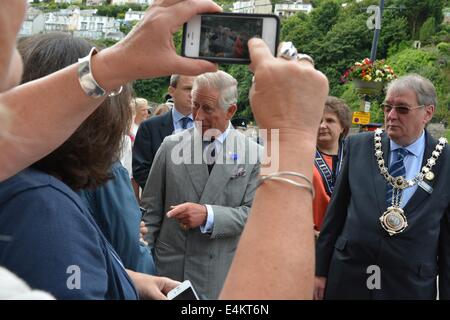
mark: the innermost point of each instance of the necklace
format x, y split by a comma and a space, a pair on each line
393, 220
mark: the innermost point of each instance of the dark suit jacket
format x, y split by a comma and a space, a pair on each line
149, 137
352, 238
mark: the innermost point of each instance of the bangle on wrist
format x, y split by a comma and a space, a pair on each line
87, 81
278, 176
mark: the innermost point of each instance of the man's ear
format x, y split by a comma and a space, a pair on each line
231, 111
429, 113
171, 90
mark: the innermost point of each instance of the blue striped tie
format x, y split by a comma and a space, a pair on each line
184, 122
396, 169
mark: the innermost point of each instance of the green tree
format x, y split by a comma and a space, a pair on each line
348, 41
418, 11
325, 16
126, 27
393, 34
430, 63
244, 77
152, 89
427, 30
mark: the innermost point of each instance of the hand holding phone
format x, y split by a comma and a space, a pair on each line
223, 37
184, 291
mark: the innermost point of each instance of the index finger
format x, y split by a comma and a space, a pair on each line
188, 8
175, 210
259, 52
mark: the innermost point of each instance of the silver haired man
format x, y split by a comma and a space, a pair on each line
386, 234
196, 208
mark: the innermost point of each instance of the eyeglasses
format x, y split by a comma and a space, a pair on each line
401, 109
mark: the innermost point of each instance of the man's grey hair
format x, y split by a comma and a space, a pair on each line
221, 81
424, 89
174, 80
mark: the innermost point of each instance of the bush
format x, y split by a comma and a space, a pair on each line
444, 47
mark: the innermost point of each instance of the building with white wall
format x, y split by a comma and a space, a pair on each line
91, 26
252, 6
131, 15
124, 2
288, 9
34, 22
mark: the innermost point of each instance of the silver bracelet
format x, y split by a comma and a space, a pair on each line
302, 56
87, 81
277, 176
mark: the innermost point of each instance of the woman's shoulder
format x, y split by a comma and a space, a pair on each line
32, 180
32, 190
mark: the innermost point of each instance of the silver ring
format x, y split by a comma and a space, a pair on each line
302, 56
288, 51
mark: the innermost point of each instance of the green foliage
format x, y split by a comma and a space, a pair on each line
118, 11
443, 35
126, 27
348, 41
47, 6
227, 5
418, 11
244, 78
411, 60
336, 37
153, 90
325, 16
394, 34
444, 48
427, 30
103, 43
432, 64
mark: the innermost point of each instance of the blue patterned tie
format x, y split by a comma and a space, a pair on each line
210, 148
396, 169
184, 122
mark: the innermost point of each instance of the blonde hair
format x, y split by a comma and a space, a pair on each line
139, 102
161, 109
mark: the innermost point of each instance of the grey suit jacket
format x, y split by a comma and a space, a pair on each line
204, 259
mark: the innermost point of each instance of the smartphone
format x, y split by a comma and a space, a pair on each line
223, 37
184, 291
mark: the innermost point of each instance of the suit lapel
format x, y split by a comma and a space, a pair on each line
420, 195
380, 183
222, 172
166, 128
196, 168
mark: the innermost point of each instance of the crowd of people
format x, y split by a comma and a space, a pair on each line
115, 202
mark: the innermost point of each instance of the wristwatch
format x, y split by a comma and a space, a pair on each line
87, 81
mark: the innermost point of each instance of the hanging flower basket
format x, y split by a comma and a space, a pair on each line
369, 77
370, 88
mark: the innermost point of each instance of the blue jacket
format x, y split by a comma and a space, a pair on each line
116, 211
49, 239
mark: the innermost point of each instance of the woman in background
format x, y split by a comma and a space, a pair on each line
333, 129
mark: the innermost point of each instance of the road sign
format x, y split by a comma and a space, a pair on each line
360, 117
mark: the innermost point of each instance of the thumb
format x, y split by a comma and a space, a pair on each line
193, 67
158, 295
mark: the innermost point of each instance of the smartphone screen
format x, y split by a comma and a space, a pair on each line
223, 37
227, 37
